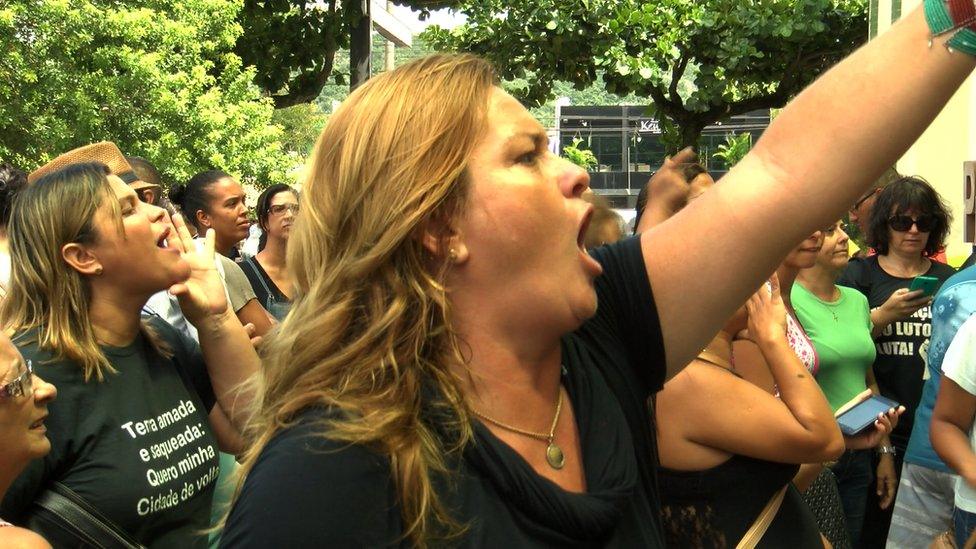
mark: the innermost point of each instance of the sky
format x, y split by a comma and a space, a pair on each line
445, 18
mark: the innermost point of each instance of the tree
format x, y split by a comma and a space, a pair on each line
157, 77
697, 61
293, 43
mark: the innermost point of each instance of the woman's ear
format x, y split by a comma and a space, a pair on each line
443, 241
81, 259
203, 220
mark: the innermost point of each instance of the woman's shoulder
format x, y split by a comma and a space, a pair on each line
853, 295
940, 270
12, 537
305, 455
302, 468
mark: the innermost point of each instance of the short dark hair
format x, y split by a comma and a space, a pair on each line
12, 181
263, 209
145, 170
911, 193
195, 195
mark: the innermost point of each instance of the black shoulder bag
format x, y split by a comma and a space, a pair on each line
65, 519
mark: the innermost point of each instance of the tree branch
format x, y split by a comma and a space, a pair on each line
676, 73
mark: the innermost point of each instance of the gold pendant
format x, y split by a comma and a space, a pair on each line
555, 457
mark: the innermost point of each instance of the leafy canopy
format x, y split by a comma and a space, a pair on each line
696, 61
158, 77
293, 43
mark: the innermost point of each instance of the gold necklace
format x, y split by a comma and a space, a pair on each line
554, 454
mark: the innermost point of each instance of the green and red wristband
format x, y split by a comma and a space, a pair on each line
955, 17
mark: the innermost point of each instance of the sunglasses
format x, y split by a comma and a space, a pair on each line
22, 385
902, 223
279, 209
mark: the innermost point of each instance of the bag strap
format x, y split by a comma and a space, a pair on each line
83, 519
758, 529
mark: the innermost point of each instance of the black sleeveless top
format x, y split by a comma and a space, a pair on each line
714, 508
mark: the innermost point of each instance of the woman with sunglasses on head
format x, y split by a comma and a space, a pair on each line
907, 226
142, 410
267, 271
838, 321
23, 409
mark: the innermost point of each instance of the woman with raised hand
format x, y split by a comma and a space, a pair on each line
24, 398
728, 448
268, 273
445, 371
131, 429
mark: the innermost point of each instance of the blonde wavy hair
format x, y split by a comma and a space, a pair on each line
370, 334
48, 300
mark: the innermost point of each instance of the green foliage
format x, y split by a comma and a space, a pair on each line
157, 77
301, 127
734, 149
698, 61
293, 44
582, 157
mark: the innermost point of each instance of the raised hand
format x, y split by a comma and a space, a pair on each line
767, 314
202, 294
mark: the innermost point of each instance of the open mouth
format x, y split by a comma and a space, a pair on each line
162, 241
39, 424
584, 225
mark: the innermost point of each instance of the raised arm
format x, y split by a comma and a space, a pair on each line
231, 359
730, 414
815, 159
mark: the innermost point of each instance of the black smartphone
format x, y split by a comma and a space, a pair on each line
863, 415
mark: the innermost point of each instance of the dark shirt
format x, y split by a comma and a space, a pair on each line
715, 507
903, 345
269, 295
137, 446
308, 491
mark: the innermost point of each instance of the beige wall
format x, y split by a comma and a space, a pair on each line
939, 154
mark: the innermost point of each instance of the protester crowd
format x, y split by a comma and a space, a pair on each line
448, 340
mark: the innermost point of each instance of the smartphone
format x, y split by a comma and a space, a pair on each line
863, 415
927, 284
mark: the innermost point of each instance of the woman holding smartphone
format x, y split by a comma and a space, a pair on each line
838, 321
907, 226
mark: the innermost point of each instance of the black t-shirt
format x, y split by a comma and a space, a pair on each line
137, 446
903, 345
308, 491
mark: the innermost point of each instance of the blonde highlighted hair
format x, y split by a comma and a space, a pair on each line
47, 299
370, 333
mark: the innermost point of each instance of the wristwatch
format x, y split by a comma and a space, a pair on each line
882, 450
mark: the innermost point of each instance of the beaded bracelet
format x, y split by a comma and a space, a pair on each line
956, 17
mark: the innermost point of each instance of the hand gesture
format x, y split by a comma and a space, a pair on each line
201, 295
767, 314
903, 303
667, 190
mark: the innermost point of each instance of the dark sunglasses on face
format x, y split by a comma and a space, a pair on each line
22, 385
902, 223
279, 209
